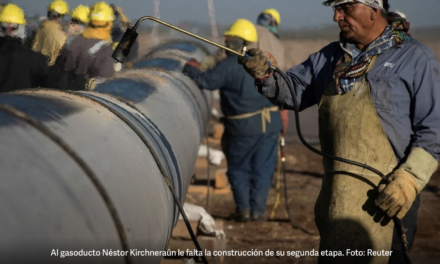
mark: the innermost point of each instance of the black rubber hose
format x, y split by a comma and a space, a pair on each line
397, 221
286, 201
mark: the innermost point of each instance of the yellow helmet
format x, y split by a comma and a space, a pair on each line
81, 13
244, 29
59, 6
101, 12
11, 13
274, 13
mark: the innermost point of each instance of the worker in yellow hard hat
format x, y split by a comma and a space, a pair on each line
21, 67
79, 21
252, 124
270, 18
50, 38
90, 53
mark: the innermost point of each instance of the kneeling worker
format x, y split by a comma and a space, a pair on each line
252, 124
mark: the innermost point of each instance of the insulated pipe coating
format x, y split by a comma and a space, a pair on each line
80, 170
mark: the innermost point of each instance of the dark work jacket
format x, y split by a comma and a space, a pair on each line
22, 68
90, 57
238, 96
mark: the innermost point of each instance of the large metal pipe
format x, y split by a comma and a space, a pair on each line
84, 170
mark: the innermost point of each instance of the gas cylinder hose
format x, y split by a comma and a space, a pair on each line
397, 221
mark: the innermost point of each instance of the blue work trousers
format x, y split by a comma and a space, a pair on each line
251, 162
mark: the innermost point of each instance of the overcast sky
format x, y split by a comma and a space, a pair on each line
294, 13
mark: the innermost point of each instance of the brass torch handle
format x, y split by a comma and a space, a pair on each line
188, 33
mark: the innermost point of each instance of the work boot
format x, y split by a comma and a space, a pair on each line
243, 216
257, 217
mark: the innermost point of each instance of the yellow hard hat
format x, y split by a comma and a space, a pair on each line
59, 6
244, 29
274, 13
11, 13
101, 12
81, 13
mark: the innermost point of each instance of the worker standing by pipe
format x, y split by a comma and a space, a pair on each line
378, 93
50, 37
90, 52
252, 125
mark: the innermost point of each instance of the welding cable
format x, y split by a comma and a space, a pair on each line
286, 197
398, 222
282, 166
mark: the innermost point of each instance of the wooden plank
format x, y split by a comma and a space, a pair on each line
213, 244
218, 224
224, 191
201, 169
221, 180
200, 189
218, 131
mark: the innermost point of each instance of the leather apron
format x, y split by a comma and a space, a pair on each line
345, 214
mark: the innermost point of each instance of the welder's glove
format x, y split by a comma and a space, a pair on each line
257, 65
397, 197
191, 63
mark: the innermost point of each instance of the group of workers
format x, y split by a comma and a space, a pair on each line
54, 56
378, 92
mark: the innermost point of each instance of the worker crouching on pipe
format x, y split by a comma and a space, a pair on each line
252, 124
378, 91
90, 53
